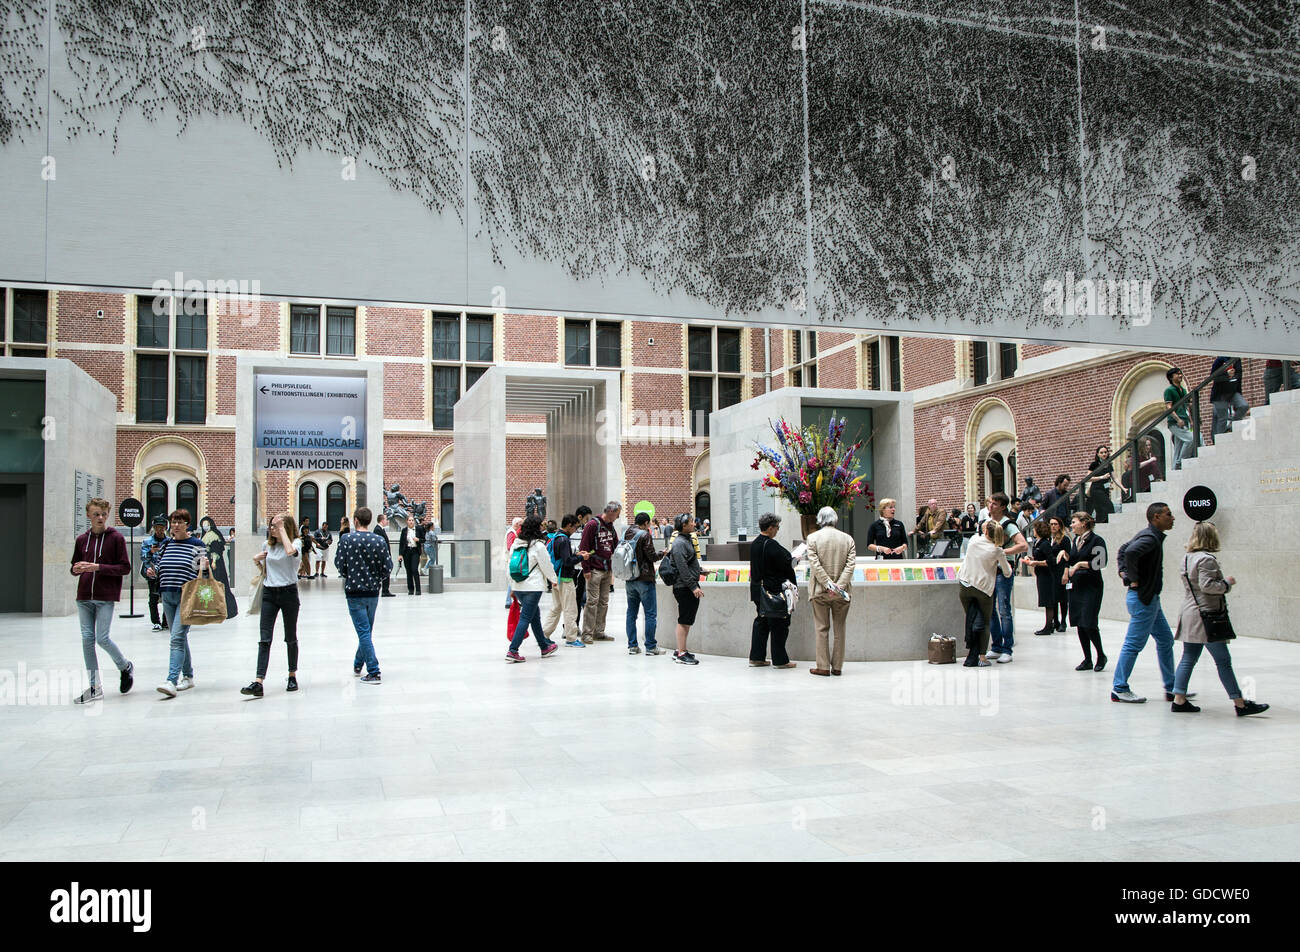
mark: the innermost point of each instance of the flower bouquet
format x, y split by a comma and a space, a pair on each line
811, 469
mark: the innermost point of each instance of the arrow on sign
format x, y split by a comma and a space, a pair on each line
264, 389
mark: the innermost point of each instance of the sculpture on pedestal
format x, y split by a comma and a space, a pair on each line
535, 504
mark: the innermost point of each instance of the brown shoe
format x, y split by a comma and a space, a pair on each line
604, 637
836, 671
788, 664
820, 672
759, 664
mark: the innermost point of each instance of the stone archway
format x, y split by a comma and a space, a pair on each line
171, 459
990, 430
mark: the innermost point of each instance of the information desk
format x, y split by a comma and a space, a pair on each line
896, 607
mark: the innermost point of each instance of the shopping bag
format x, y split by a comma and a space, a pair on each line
203, 601
259, 582
942, 649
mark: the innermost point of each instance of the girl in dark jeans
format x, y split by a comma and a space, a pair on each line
280, 556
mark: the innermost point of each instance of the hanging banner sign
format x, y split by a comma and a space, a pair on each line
306, 422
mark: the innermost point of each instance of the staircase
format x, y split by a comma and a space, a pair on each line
1254, 471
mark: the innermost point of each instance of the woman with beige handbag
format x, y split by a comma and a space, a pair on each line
179, 560
279, 559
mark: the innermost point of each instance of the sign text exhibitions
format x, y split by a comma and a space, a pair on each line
306, 422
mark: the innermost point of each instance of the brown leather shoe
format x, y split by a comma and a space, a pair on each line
836, 671
821, 672
759, 664
788, 664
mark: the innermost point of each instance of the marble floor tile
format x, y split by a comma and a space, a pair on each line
595, 755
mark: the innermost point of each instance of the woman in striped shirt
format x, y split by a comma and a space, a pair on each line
179, 560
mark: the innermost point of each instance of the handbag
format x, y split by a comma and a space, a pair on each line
772, 606
203, 600
259, 582
942, 649
1218, 626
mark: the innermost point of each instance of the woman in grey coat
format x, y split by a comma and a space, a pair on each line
686, 589
1204, 588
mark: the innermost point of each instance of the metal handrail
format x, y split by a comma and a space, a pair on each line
1192, 401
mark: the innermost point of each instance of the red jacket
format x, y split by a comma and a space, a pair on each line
599, 539
108, 550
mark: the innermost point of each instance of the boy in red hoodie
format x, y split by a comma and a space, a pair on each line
99, 560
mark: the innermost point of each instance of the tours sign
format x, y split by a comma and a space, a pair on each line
309, 422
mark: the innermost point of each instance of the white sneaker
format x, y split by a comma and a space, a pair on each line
1001, 659
187, 683
993, 656
167, 688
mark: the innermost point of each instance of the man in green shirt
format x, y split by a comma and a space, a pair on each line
1180, 421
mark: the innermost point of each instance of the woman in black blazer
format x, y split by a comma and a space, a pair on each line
1047, 574
409, 545
887, 534
1084, 575
770, 567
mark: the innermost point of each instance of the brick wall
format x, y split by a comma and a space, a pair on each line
394, 332
525, 471
403, 391
105, 366
77, 321
532, 338
257, 327
661, 474
838, 371
926, 361
408, 461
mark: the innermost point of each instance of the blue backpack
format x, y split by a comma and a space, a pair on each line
550, 550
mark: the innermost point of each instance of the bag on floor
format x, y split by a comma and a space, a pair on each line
203, 601
942, 650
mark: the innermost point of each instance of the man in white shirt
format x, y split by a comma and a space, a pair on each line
1003, 633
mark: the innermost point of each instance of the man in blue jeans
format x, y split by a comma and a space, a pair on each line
364, 561
1141, 568
641, 590
1002, 630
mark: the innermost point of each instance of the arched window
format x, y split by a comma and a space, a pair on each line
703, 509
361, 498
308, 505
997, 474
155, 501
447, 506
187, 498
336, 504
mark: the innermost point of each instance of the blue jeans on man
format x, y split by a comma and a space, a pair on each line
529, 616
180, 662
362, 610
643, 594
96, 615
1002, 630
1145, 621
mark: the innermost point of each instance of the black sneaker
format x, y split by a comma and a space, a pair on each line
1084, 665
1185, 708
684, 657
1250, 707
371, 679
128, 678
253, 690
1189, 695
292, 685
157, 627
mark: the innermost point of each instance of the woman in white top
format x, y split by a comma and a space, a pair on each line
528, 592
984, 560
280, 556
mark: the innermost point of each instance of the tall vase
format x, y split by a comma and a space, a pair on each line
808, 524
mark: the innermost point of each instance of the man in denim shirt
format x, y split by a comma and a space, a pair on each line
364, 561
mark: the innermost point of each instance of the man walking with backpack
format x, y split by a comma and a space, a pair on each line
634, 562
564, 593
597, 549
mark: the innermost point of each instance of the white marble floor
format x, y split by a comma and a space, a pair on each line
597, 755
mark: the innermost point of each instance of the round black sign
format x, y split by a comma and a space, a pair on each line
130, 513
1200, 503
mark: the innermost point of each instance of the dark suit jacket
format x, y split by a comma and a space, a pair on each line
770, 565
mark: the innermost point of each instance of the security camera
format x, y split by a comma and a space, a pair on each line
650, 341
100, 313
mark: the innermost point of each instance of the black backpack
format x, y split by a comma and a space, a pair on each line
668, 568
